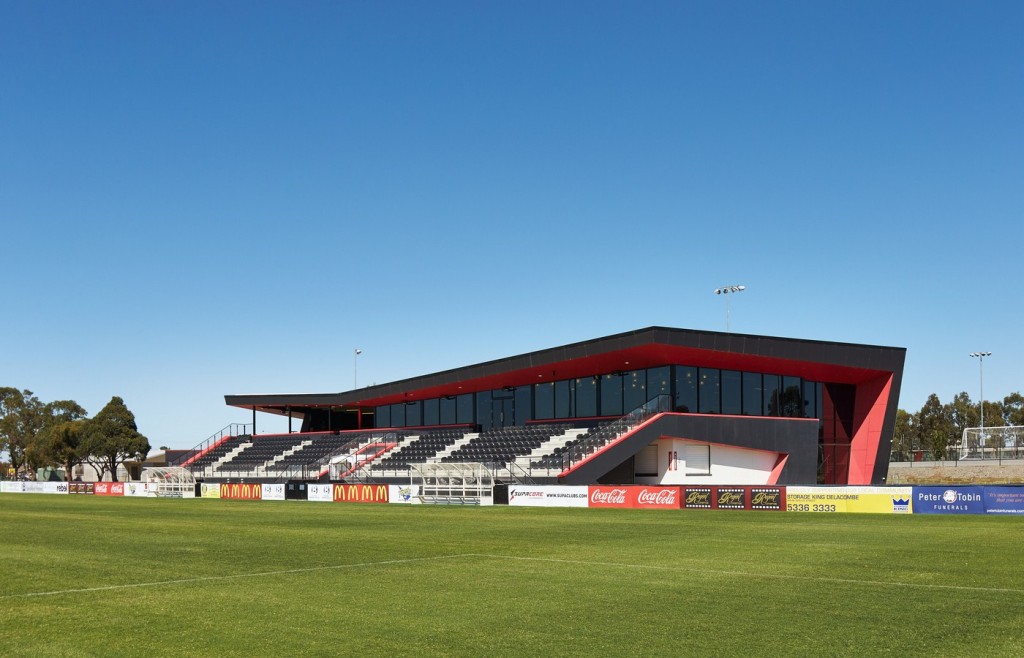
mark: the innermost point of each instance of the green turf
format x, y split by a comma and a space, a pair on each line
321, 579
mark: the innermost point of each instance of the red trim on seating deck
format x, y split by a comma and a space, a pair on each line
609, 445
205, 451
673, 413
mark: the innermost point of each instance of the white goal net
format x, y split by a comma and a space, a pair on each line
992, 443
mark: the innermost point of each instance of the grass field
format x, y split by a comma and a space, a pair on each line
148, 577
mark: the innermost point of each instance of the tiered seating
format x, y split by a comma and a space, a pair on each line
578, 448
501, 446
263, 449
217, 452
268, 451
427, 446
320, 448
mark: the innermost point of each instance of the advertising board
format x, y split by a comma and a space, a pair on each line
321, 493
547, 496
1004, 500
241, 491
949, 500
272, 492
361, 493
635, 496
873, 500
35, 487
404, 494
140, 489
208, 490
108, 488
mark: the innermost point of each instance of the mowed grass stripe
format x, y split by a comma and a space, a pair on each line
539, 582
587, 564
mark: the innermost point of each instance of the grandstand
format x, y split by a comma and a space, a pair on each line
652, 406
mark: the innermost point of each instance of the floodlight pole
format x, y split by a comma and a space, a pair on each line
981, 405
355, 368
725, 290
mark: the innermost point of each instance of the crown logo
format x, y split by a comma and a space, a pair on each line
901, 504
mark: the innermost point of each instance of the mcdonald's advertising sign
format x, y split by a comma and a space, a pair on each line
241, 491
360, 493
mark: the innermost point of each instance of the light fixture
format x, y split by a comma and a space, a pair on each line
981, 403
725, 290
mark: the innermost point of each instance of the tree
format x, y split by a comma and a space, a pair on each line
935, 425
1013, 409
904, 435
61, 444
21, 420
112, 437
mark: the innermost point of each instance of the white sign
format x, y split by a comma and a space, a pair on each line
273, 491
323, 493
140, 489
547, 496
408, 494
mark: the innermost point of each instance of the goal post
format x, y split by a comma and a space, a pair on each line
1005, 442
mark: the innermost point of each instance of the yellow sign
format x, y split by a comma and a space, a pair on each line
871, 500
209, 490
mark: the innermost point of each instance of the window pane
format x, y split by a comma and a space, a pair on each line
611, 395
753, 395
484, 415
414, 413
710, 391
810, 411
398, 415
792, 397
563, 399
544, 401
634, 390
586, 397
431, 414
771, 395
524, 404
448, 411
686, 389
383, 416
731, 392
659, 382
464, 408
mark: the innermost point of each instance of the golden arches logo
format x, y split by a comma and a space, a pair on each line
240, 491
360, 493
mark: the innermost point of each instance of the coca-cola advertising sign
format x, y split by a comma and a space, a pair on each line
635, 497
658, 497
609, 497
109, 489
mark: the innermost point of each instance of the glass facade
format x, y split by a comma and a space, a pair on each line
692, 390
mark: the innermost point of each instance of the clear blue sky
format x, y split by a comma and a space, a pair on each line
201, 198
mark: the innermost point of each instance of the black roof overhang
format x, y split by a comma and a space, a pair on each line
643, 348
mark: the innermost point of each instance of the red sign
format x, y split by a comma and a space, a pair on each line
635, 497
360, 493
109, 488
661, 497
241, 491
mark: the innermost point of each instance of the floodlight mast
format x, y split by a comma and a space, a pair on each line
355, 368
725, 290
981, 404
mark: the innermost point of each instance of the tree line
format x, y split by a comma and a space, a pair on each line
937, 427
37, 434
